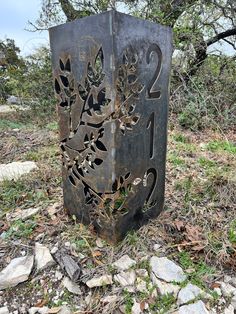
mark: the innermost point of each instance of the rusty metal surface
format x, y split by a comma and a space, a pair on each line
111, 79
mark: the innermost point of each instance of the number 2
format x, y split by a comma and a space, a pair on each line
152, 91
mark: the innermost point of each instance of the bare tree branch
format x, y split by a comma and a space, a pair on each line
70, 12
228, 33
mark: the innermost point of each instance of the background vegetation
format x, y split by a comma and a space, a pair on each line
203, 78
197, 229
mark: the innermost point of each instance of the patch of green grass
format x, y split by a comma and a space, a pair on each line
163, 303
21, 229
132, 238
9, 124
81, 244
200, 269
186, 186
128, 298
52, 126
219, 175
206, 163
144, 264
185, 147
221, 146
175, 160
49, 152
15, 193
66, 297
232, 232
180, 138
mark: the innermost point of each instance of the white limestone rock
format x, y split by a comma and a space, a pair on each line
156, 247
14, 170
233, 302
141, 285
43, 257
141, 273
58, 275
194, 308
110, 299
16, 272
229, 310
65, 310
136, 309
38, 310
4, 310
124, 263
24, 213
126, 279
167, 270
227, 289
233, 281
189, 293
100, 281
71, 286
164, 287
218, 291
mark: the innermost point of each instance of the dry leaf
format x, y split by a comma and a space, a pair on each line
97, 253
179, 224
98, 262
215, 285
41, 303
54, 310
142, 305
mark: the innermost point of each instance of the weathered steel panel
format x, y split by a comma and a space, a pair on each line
111, 79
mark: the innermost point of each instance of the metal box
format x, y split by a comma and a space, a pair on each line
111, 79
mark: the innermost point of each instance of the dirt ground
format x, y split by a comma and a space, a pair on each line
197, 228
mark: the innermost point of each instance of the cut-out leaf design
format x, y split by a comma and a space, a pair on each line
82, 92
64, 104
98, 161
67, 65
80, 171
72, 180
135, 119
132, 78
99, 61
95, 75
115, 186
72, 85
62, 67
57, 87
64, 80
86, 139
127, 175
100, 146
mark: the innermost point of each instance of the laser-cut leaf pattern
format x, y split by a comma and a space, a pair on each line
90, 95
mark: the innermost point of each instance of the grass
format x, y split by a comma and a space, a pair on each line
129, 302
48, 153
232, 232
206, 163
163, 303
180, 138
185, 147
52, 126
221, 146
132, 238
175, 160
198, 270
17, 193
9, 124
21, 229
196, 179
